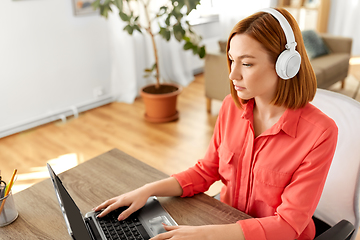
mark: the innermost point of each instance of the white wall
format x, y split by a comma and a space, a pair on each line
50, 60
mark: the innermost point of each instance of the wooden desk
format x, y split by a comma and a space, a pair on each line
96, 180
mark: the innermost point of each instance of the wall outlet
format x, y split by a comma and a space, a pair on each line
98, 91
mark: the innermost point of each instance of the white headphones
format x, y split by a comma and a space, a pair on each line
288, 62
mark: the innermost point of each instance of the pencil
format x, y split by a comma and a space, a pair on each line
8, 189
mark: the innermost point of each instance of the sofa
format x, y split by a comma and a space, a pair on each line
330, 66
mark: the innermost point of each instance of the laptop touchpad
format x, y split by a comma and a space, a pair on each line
156, 224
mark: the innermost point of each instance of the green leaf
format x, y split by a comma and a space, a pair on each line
154, 66
191, 5
162, 11
187, 39
176, 12
188, 45
96, 4
195, 49
179, 32
136, 27
119, 4
129, 29
202, 52
104, 10
167, 20
165, 33
179, 4
124, 16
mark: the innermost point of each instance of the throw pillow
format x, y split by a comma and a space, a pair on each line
315, 46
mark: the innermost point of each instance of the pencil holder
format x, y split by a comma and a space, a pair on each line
9, 212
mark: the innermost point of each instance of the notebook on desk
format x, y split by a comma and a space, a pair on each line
143, 224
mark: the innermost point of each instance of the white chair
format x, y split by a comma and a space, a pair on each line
340, 198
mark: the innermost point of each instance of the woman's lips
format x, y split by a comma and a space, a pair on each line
238, 88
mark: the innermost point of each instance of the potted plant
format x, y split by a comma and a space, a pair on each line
171, 21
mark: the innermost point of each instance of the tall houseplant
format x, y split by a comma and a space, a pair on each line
171, 21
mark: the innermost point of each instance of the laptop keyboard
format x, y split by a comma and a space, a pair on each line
128, 229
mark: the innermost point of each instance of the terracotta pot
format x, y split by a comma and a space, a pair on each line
160, 104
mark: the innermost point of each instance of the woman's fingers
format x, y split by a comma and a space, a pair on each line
120, 201
126, 213
170, 228
103, 205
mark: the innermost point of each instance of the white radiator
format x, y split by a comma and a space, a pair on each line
50, 117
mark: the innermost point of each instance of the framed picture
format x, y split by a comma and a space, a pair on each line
311, 3
84, 7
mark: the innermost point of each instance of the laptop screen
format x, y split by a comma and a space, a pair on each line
71, 212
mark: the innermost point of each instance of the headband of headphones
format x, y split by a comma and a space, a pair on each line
290, 38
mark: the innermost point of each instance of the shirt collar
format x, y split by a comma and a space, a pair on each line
288, 122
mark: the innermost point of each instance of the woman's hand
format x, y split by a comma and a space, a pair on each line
208, 232
134, 200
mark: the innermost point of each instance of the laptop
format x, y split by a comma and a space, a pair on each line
141, 225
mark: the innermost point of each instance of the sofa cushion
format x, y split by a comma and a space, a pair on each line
315, 46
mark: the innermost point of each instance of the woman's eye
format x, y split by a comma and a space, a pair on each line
247, 64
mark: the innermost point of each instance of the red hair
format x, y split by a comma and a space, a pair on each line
263, 27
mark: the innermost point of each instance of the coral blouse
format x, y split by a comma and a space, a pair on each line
277, 177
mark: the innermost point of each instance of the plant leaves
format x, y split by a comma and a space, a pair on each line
96, 4
167, 20
162, 11
129, 29
188, 45
119, 4
179, 32
104, 10
124, 16
195, 49
191, 5
165, 33
136, 27
154, 66
202, 52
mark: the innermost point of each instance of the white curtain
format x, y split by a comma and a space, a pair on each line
344, 21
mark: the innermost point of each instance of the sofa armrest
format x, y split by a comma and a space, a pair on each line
337, 44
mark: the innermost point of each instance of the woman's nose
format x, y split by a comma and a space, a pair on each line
235, 74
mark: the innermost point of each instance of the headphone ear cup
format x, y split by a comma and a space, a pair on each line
288, 64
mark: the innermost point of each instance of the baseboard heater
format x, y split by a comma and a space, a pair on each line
54, 116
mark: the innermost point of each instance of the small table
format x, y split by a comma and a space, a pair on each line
355, 71
96, 180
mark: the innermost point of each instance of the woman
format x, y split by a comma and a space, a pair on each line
270, 148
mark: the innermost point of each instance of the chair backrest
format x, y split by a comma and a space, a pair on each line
340, 198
